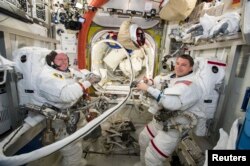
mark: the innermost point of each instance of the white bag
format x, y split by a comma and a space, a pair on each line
177, 10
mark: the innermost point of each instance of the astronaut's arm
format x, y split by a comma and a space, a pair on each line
86, 75
72, 92
169, 102
64, 94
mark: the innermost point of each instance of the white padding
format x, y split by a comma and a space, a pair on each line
136, 63
114, 58
29, 62
177, 10
124, 36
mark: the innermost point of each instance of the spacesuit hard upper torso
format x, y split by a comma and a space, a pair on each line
180, 93
57, 88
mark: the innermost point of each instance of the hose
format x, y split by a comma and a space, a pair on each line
49, 149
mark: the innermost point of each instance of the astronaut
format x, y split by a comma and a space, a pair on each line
61, 87
176, 111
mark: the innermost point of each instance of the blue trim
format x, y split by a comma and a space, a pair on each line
159, 97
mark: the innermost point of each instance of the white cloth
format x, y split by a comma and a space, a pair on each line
137, 63
114, 58
233, 24
226, 141
207, 23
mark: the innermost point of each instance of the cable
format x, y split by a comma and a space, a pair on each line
103, 153
89, 127
13, 136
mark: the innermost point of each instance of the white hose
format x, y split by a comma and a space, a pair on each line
30, 121
47, 150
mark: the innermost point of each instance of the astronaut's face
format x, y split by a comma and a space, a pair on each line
62, 61
182, 67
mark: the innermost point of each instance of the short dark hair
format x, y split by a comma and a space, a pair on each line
188, 57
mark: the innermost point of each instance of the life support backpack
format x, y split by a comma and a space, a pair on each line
210, 74
29, 62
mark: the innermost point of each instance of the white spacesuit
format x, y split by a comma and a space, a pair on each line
62, 89
182, 94
186, 102
47, 79
58, 88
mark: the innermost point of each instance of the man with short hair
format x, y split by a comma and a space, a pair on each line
62, 87
176, 111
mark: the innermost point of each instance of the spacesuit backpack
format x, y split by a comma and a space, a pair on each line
28, 64
210, 74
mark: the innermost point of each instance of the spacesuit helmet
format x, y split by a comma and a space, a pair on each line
137, 35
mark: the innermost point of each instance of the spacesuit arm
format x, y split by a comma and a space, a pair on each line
154, 92
66, 94
71, 93
169, 102
179, 97
79, 74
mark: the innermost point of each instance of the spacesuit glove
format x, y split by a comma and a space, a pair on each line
193, 28
220, 28
85, 84
93, 78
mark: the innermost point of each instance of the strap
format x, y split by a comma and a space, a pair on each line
159, 97
158, 150
149, 131
83, 89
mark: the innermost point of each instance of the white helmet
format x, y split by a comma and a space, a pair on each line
137, 35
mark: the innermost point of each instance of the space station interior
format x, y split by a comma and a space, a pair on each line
120, 45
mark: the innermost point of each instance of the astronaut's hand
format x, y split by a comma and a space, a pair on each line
93, 78
142, 86
148, 81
